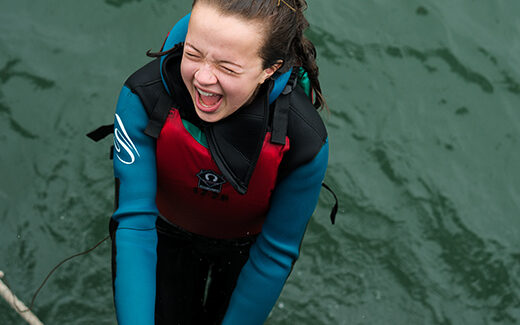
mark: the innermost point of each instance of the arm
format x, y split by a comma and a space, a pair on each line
135, 236
272, 256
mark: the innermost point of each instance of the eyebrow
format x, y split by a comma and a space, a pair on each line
218, 61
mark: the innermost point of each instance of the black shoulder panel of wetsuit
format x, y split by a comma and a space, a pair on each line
305, 130
235, 142
147, 84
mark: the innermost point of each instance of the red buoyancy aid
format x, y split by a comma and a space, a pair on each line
193, 194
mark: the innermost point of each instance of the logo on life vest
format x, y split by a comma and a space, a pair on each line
210, 181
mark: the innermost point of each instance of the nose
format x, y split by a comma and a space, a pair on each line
205, 75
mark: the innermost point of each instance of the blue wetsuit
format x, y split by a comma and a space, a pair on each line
271, 257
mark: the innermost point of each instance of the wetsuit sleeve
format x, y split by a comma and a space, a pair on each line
135, 236
277, 247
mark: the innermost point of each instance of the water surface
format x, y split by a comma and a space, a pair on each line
425, 146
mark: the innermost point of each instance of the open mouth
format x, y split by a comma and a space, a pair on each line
206, 101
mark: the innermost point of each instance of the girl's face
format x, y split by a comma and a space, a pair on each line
220, 65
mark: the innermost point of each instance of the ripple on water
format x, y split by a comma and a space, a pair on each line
9, 71
334, 49
478, 269
445, 54
419, 252
119, 3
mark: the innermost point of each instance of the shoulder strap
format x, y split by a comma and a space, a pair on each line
281, 111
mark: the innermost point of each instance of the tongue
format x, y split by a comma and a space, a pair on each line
210, 100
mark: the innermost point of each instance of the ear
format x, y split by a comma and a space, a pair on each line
272, 69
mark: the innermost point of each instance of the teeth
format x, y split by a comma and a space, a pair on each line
203, 93
202, 103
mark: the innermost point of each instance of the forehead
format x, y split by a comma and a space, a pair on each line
225, 35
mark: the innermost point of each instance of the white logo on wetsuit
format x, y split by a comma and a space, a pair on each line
122, 140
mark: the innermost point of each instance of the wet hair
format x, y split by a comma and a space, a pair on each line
284, 40
284, 24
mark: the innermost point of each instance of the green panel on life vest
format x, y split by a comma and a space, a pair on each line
304, 82
196, 133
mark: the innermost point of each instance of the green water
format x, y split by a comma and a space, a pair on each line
424, 131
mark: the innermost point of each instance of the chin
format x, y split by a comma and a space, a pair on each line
207, 117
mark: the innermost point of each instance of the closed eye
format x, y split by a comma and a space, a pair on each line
228, 70
191, 55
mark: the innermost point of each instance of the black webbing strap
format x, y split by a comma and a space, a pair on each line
158, 116
335, 208
101, 132
280, 120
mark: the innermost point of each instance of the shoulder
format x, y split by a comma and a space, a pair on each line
305, 122
149, 73
147, 84
305, 129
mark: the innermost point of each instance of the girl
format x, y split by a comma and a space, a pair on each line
218, 162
